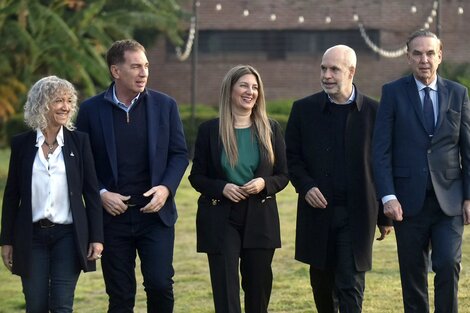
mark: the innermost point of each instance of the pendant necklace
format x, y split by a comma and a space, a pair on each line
51, 148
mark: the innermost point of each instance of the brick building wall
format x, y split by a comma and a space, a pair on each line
297, 75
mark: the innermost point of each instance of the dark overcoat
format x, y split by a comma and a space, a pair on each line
310, 158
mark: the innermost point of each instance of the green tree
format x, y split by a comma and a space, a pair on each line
69, 38
459, 72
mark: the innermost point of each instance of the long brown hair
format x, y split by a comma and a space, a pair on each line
259, 118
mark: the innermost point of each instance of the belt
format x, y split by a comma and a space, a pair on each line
45, 223
138, 200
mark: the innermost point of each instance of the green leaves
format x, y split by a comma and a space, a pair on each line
69, 38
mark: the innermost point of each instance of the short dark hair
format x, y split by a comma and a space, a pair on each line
422, 33
115, 54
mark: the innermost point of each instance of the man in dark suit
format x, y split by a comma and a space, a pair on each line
140, 154
328, 139
421, 153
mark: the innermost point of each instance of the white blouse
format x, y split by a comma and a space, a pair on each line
49, 188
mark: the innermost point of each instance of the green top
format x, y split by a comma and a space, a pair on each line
248, 158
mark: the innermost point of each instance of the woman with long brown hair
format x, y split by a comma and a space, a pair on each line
238, 167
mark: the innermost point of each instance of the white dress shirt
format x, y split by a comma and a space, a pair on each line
49, 188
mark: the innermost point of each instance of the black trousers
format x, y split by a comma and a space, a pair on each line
414, 235
255, 269
125, 236
339, 286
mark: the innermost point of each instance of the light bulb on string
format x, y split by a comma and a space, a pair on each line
327, 16
355, 17
273, 16
433, 12
430, 19
218, 7
246, 12
413, 9
301, 19
426, 25
460, 10
435, 5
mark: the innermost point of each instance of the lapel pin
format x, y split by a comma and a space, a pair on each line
71, 154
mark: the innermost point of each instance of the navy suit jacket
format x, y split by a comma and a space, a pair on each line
17, 226
404, 154
167, 152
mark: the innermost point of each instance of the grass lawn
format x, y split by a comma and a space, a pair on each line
291, 292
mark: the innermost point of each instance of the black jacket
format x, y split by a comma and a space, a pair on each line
85, 203
309, 141
262, 228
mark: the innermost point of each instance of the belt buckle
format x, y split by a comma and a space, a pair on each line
129, 203
45, 223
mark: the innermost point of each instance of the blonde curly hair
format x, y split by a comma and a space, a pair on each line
41, 95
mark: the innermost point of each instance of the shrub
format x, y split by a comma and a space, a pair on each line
13, 126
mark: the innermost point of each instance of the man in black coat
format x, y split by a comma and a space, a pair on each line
328, 140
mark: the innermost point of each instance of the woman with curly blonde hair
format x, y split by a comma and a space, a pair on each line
51, 215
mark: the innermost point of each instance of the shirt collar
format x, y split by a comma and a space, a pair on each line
119, 103
421, 86
351, 97
40, 137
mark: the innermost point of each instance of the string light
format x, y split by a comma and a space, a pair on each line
182, 56
273, 16
377, 49
246, 12
327, 16
401, 51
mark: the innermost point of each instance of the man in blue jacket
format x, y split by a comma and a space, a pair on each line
140, 155
421, 156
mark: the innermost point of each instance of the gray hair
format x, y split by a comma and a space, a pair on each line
41, 95
422, 33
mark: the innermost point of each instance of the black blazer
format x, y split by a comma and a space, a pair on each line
309, 139
262, 228
85, 203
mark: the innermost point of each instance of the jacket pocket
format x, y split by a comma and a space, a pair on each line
453, 173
